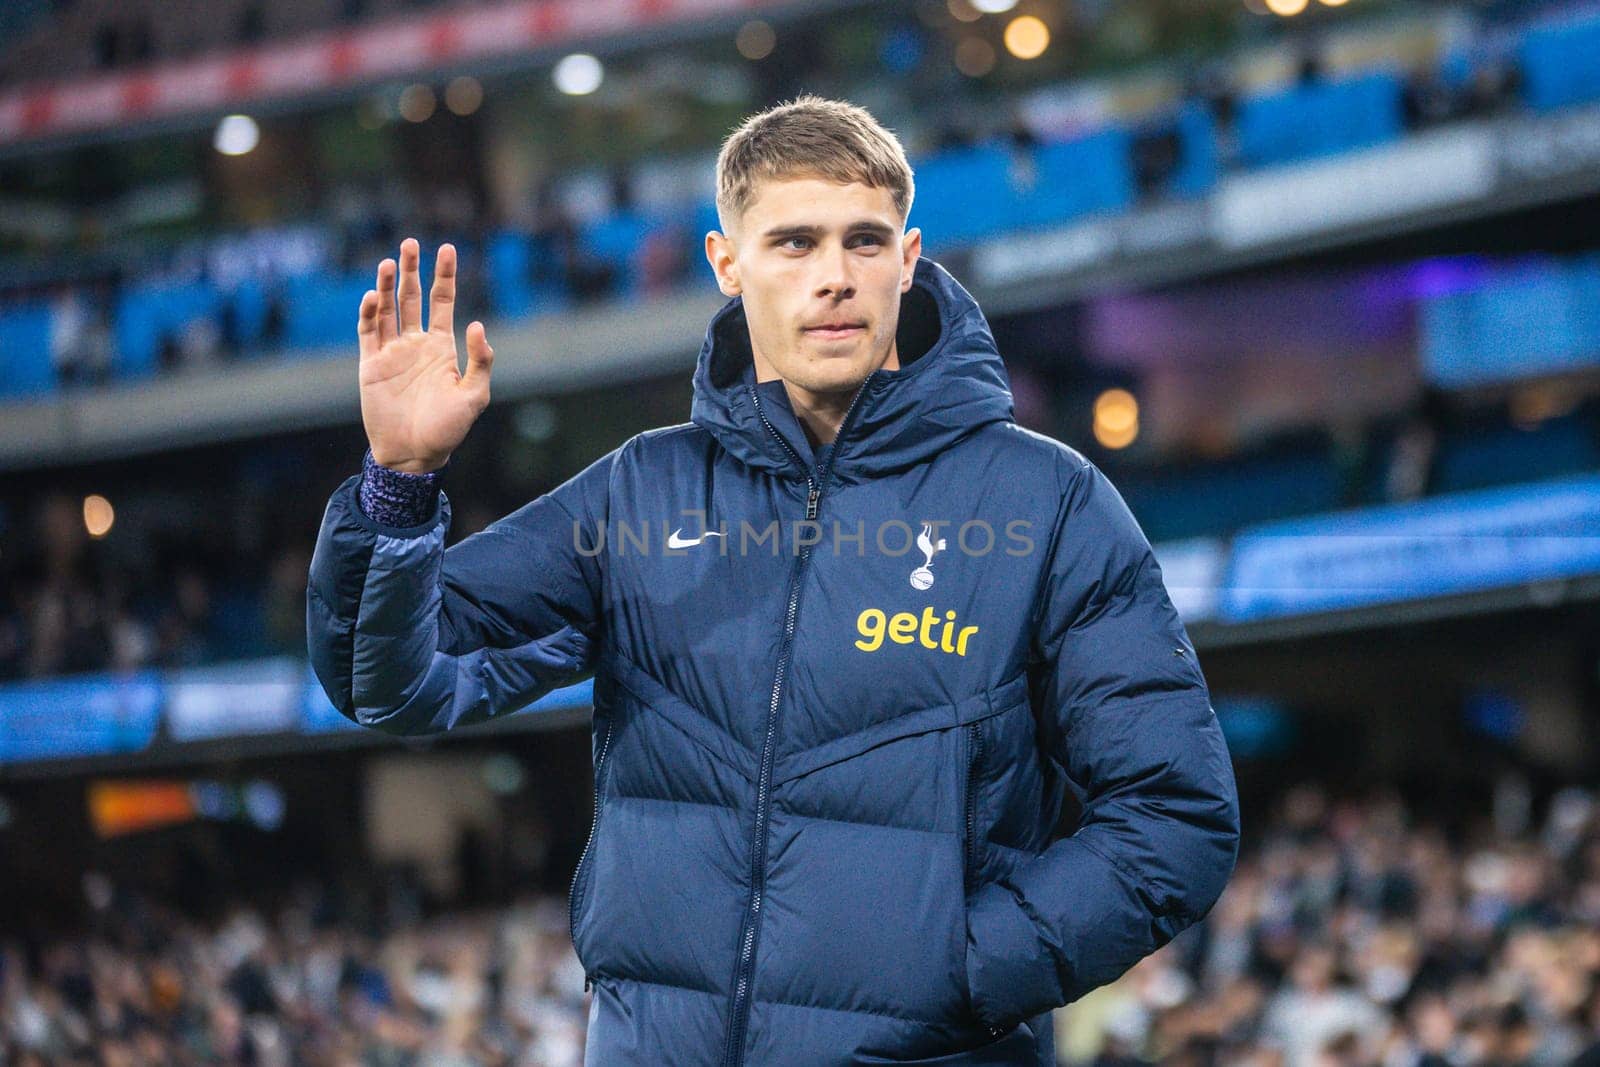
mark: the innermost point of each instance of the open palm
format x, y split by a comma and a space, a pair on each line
416, 404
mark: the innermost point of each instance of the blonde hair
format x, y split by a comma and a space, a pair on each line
810, 137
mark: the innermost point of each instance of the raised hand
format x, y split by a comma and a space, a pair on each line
416, 404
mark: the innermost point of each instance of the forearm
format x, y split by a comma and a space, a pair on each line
372, 605
409, 638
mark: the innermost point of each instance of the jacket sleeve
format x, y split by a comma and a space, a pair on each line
1124, 712
410, 638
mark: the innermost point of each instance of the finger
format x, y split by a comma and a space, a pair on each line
480, 359
387, 330
367, 324
410, 286
442, 301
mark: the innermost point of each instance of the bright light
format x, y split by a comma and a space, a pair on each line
1027, 37
994, 7
417, 103
1286, 8
463, 95
1116, 418
1335, 3
974, 57
963, 11
756, 39
579, 74
98, 515
236, 135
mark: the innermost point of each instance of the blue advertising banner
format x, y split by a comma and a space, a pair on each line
113, 714
95, 715
1466, 542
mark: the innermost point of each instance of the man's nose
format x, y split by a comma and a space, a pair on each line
835, 280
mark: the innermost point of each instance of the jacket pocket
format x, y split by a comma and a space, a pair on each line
580, 875
1015, 1048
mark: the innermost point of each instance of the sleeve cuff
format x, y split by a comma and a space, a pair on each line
395, 498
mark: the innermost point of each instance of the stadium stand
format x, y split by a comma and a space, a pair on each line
1050, 177
1338, 437
1357, 930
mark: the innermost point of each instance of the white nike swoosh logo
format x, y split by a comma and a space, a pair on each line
674, 541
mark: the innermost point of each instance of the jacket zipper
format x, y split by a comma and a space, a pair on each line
577, 874
974, 853
975, 756
738, 1018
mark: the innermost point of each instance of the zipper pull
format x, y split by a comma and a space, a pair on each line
811, 502
587, 983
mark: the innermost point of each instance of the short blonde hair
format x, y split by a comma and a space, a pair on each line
810, 137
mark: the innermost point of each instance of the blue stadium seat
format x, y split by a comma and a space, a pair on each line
510, 274
524, 275
1199, 164
1086, 176
25, 368
321, 309
962, 195
617, 240
146, 315
1561, 64
249, 301
1320, 119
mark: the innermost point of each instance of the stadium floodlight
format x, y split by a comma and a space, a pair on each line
1027, 37
1116, 418
993, 7
236, 135
98, 515
579, 74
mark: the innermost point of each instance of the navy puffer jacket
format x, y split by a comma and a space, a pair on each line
829, 754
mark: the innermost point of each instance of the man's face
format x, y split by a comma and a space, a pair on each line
821, 267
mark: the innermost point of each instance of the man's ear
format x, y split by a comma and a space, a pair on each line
719, 253
910, 251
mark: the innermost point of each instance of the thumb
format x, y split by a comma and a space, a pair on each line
480, 357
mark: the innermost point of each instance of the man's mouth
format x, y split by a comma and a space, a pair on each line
835, 331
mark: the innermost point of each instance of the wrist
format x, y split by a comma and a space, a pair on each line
410, 466
396, 497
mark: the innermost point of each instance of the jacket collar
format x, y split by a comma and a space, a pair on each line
951, 381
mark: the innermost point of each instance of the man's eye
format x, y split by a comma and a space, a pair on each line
792, 240
867, 238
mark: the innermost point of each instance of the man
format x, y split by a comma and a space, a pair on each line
853, 634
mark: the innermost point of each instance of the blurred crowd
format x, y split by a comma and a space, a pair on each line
1358, 935
67, 607
1353, 934
151, 988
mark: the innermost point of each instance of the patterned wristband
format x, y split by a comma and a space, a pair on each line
395, 498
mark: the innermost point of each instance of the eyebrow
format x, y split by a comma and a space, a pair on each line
860, 226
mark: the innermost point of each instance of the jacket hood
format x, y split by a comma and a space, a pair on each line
951, 381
